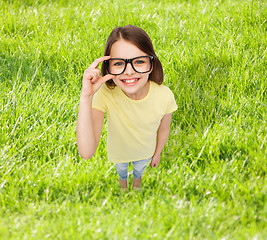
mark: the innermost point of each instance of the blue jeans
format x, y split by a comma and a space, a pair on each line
139, 167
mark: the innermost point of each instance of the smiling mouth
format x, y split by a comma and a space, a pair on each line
130, 81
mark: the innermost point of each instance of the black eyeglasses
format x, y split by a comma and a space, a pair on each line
141, 64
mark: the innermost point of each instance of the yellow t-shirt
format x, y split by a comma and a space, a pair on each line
132, 124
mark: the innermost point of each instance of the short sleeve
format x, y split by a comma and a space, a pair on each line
99, 100
171, 105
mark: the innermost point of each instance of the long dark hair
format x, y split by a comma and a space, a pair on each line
140, 39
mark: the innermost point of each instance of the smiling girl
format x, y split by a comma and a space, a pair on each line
130, 92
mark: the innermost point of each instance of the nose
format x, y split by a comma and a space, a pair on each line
129, 69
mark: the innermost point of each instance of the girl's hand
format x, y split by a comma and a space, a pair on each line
92, 80
155, 161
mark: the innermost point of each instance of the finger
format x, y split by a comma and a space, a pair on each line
97, 61
92, 70
94, 75
89, 78
91, 74
105, 78
153, 164
94, 79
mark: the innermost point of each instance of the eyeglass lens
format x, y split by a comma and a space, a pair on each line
139, 64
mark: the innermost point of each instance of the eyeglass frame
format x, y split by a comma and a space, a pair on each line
129, 60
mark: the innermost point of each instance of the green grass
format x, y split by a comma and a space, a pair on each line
210, 183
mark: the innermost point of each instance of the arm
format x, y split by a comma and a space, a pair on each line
162, 137
90, 121
89, 128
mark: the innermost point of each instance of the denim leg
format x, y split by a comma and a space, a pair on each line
139, 167
122, 170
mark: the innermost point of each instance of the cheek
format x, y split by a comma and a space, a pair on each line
116, 80
146, 76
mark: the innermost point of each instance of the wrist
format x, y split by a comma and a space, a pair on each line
156, 154
86, 98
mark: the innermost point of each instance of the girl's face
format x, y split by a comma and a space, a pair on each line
135, 85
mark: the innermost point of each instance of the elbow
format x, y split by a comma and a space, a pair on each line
86, 155
86, 151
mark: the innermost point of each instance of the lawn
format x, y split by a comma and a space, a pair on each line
210, 183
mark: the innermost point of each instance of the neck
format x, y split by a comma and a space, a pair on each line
141, 94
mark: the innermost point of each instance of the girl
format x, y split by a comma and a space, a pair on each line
138, 107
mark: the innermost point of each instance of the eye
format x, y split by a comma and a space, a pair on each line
117, 63
139, 62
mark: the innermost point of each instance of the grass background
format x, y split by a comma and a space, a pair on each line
210, 183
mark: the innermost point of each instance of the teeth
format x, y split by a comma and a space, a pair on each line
130, 80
